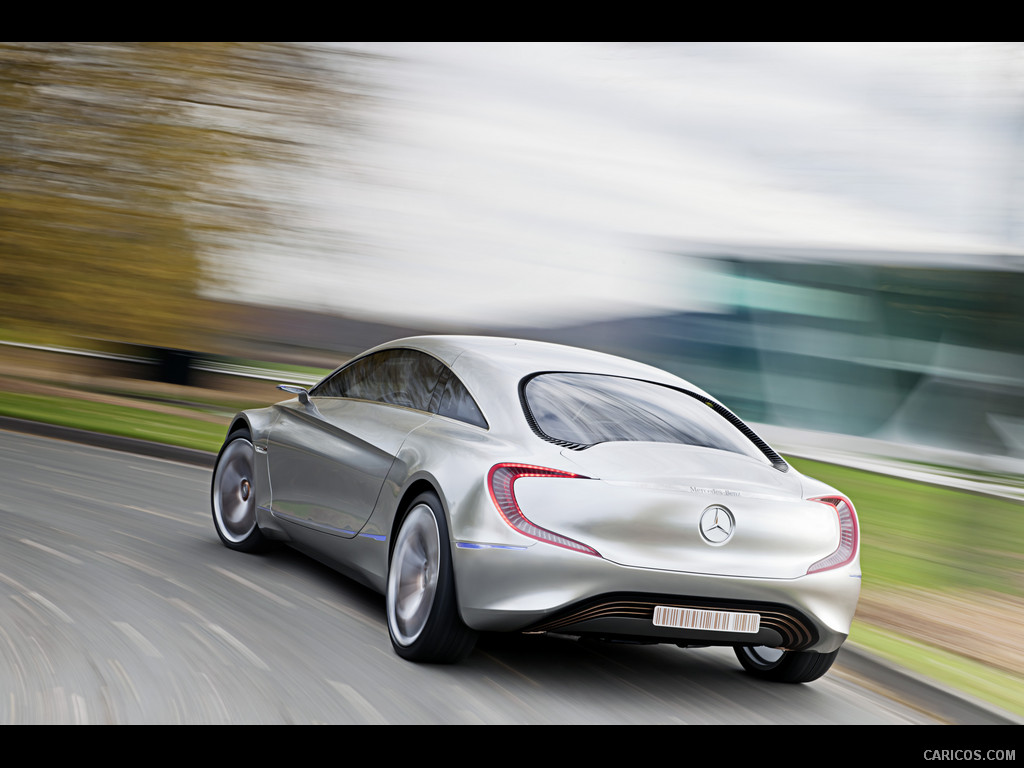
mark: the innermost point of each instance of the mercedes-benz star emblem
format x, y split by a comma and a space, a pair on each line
717, 524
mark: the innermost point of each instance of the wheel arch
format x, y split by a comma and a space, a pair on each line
414, 489
239, 425
441, 636
255, 425
257, 422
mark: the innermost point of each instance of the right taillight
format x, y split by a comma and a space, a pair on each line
847, 534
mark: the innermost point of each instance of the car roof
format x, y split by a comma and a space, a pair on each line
490, 357
492, 368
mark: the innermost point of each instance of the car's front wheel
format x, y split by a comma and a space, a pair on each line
234, 496
423, 615
784, 666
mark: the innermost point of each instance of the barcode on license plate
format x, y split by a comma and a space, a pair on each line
695, 618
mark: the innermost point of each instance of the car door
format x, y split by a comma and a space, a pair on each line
329, 457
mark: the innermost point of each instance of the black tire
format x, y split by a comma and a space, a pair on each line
784, 666
233, 496
423, 613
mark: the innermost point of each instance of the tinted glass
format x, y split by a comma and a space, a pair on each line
586, 409
397, 376
457, 403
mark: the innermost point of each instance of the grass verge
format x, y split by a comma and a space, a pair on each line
973, 678
180, 429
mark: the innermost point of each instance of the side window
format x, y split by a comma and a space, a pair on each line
396, 376
457, 403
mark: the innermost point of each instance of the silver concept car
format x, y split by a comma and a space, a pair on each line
489, 484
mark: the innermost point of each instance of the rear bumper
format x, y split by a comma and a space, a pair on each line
631, 616
545, 588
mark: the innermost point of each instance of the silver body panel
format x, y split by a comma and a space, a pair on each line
333, 476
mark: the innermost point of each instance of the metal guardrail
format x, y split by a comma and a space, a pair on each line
205, 365
255, 372
80, 352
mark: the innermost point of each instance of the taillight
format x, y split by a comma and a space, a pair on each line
847, 534
501, 480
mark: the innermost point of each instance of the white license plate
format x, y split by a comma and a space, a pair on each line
715, 621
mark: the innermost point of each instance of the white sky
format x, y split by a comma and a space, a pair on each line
510, 183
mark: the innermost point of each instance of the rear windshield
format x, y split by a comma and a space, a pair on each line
584, 409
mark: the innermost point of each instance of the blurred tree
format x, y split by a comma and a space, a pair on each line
120, 166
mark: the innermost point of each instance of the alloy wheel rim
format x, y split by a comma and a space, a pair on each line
766, 656
234, 502
413, 577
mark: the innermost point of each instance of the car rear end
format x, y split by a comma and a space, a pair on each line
651, 512
676, 559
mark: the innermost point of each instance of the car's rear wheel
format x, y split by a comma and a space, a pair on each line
234, 496
423, 615
784, 666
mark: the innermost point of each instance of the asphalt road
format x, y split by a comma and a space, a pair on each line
118, 604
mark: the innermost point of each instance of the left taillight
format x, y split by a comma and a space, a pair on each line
847, 533
501, 483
